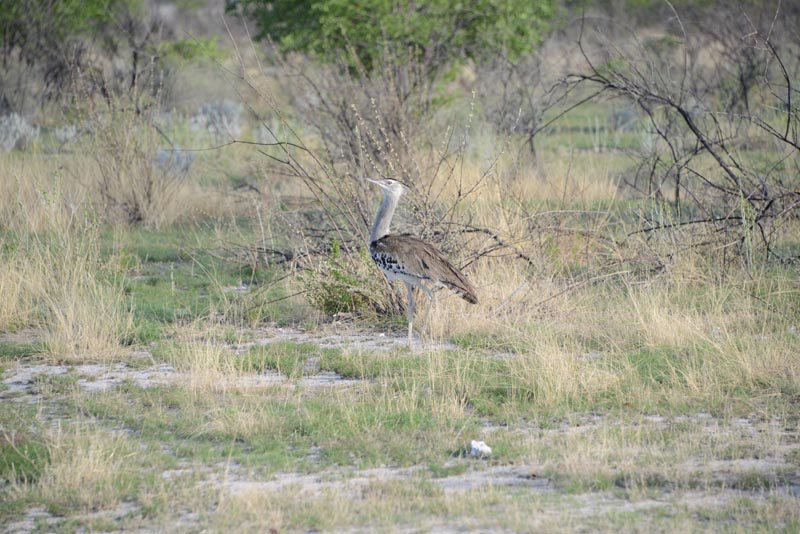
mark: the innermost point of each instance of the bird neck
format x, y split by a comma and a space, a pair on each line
383, 219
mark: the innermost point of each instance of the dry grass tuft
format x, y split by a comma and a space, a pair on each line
207, 366
89, 469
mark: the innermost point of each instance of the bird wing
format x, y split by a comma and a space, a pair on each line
413, 256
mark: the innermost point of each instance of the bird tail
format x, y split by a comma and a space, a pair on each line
465, 292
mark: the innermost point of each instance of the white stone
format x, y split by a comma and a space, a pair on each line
479, 449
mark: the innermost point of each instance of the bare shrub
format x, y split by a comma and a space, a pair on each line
722, 163
141, 172
526, 95
220, 120
364, 124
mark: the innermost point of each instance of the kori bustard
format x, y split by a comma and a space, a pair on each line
410, 259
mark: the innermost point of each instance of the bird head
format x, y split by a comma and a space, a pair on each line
390, 186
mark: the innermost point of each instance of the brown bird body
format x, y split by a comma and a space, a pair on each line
404, 255
410, 259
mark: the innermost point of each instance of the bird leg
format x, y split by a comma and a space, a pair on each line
410, 312
430, 296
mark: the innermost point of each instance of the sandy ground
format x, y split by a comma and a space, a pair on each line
21, 385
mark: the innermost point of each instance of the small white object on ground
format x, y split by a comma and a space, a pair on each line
479, 449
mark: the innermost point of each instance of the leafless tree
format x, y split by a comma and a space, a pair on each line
726, 161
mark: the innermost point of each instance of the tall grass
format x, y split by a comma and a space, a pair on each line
54, 277
667, 341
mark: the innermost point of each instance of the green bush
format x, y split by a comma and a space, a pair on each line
440, 29
346, 283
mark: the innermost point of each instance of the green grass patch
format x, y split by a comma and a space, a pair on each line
144, 332
491, 386
22, 460
365, 365
51, 385
487, 341
370, 427
183, 272
13, 351
164, 293
437, 470
286, 357
656, 365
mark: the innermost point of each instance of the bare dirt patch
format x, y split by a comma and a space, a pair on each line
352, 482
21, 378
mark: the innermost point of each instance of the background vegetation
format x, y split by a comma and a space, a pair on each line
192, 333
